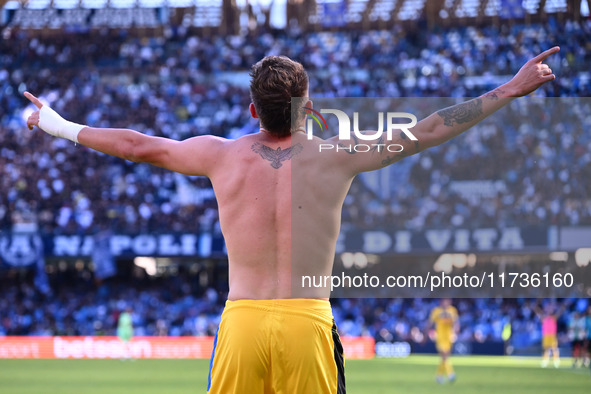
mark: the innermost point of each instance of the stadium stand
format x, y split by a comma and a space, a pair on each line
179, 84
179, 94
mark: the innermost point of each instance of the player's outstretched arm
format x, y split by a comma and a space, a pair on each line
194, 156
450, 122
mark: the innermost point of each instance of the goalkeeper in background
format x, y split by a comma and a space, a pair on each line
125, 332
445, 320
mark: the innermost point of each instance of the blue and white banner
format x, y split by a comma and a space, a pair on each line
391, 240
123, 245
19, 249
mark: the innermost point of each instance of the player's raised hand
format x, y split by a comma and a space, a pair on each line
33, 119
533, 74
34, 100
51, 122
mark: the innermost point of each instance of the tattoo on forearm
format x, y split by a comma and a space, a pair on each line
461, 113
494, 95
276, 156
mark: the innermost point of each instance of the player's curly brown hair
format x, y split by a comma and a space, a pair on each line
274, 81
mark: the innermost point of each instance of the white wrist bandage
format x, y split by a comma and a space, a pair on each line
52, 123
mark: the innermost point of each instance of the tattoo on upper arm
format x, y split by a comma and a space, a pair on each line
378, 145
349, 150
276, 156
417, 145
461, 113
400, 155
388, 160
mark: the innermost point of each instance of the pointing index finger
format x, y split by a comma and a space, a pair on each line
34, 100
542, 56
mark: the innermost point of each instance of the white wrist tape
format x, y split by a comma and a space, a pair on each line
52, 123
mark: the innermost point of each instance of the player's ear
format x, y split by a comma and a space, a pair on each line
309, 104
253, 111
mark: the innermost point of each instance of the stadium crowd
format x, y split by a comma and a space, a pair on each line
178, 306
181, 85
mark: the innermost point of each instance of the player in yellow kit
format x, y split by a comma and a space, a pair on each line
276, 336
445, 319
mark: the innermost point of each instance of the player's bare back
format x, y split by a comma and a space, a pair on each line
279, 206
279, 200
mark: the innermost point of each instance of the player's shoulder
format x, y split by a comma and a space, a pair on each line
214, 139
207, 141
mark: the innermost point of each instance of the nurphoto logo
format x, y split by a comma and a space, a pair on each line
391, 119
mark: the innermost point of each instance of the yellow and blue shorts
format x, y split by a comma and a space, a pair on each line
286, 346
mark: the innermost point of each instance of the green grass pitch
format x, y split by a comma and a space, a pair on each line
415, 374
